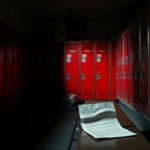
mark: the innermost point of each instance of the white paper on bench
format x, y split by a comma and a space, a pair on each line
103, 127
96, 111
106, 128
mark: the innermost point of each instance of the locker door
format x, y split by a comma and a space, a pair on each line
120, 67
136, 65
113, 71
1, 71
102, 85
87, 70
130, 66
8, 71
117, 69
17, 71
148, 63
125, 66
144, 65
72, 68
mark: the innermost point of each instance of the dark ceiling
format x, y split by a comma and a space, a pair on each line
79, 19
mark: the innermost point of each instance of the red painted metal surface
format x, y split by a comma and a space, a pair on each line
1, 71
117, 69
102, 80
72, 68
125, 67
130, 67
87, 71
120, 67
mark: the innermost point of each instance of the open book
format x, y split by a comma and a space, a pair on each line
100, 121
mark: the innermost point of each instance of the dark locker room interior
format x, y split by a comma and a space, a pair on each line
108, 42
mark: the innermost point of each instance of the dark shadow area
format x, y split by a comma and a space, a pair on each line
35, 118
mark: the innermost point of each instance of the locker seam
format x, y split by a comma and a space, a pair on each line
148, 40
140, 68
110, 70
94, 51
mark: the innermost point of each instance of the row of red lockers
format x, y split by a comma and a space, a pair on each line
90, 70
10, 70
132, 64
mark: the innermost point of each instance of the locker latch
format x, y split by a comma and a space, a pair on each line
68, 60
99, 58
142, 75
135, 75
120, 75
135, 57
84, 56
98, 76
82, 76
68, 77
124, 75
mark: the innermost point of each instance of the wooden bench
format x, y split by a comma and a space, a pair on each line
86, 142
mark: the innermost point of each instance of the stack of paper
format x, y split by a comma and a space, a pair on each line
100, 121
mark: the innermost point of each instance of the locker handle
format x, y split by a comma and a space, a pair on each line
135, 75
120, 76
68, 77
124, 75
142, 75
98, 76
135, 57
82, 76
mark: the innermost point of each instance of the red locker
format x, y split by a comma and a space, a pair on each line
119, 74
117, 69
149, 64
136, 68
17, 71
102, 79
87, 71
130, 66
1, 71
120, 67
144, 64
72, 68
125, 67
113, 71
8, 71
